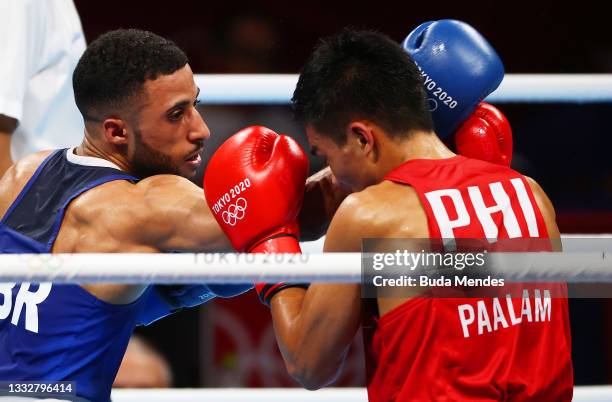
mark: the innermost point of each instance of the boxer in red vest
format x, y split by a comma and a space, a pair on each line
362, 101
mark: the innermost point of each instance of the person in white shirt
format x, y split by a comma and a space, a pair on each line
40, 44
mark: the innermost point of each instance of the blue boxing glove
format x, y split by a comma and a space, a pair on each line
163, 300
459, 68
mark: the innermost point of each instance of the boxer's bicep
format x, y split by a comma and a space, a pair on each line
178, 217
333, 311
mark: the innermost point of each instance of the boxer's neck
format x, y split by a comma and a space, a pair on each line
91, 148
423, 145
420, 145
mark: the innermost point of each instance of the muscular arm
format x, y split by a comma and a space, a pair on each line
7, 126
178, 217
159, 213
315, 327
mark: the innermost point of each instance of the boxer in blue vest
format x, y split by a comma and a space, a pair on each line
125, 188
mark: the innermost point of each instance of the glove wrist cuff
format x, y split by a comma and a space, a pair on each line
266, 291
281, 243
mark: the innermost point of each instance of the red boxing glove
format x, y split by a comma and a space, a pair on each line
254, 184
486, 135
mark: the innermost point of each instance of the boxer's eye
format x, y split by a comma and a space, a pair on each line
175, 115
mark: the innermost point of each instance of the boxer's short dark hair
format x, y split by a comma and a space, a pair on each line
115, 66
361, 75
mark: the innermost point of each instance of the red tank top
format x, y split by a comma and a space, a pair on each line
473, 349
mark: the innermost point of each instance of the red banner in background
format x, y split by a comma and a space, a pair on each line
241, 351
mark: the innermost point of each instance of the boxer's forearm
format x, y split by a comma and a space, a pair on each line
195, 229
314, 329
321, 200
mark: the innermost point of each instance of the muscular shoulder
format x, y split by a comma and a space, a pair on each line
16, 177
31, 162
538, 193
165, 181
25, 167
545, 206
135, 212
383, 210
137, 197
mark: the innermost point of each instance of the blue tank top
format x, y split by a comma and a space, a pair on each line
50, 331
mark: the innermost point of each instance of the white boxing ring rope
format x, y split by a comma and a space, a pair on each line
599, 393
250, 268
515, 88
177, 268
312, 266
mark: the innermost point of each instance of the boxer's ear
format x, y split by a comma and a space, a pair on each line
115, 131
360, 134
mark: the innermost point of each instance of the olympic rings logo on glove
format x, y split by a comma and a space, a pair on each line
235, 212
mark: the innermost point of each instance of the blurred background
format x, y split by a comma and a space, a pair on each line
566, 147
